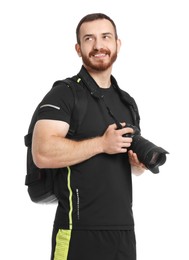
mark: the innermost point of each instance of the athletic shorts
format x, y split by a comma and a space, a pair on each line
93, 245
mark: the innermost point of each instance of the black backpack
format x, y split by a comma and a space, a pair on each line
40, 182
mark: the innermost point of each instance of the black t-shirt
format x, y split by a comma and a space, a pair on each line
97, 193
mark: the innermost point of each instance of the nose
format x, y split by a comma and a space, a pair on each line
98, 44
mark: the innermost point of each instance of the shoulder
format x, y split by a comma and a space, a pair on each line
59, 91
68, 85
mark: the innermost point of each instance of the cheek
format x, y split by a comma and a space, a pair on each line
85, 48
83, 52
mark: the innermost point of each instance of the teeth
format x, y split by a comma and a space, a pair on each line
100, 55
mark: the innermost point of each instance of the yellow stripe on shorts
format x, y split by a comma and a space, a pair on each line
62, 244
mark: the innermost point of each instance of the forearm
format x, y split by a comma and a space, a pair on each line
60, 152
51, 149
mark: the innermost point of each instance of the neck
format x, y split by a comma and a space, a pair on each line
102, 78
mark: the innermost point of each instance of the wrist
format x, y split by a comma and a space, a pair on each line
100, 144
137, 170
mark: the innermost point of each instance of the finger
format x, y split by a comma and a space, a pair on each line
113, 126
137, 162
120, 125
130, 152
127, 130
135, 157
123, 124
127, 140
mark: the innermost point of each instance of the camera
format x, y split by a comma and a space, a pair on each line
149, 154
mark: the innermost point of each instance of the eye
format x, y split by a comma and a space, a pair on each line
107, 36
89, 38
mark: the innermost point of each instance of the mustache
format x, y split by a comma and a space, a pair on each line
100, 51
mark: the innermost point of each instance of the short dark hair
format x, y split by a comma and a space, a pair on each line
93, 17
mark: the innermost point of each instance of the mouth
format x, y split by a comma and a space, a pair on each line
99, 54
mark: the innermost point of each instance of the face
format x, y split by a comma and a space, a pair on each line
98, 45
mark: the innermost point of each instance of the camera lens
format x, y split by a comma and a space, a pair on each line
148, 153
155, 158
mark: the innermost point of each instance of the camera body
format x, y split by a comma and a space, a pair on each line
149, 154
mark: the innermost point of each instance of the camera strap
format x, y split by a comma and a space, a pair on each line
119, 126
93, 88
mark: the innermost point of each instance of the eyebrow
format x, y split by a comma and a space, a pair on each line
107, 33
91, 34
87, 35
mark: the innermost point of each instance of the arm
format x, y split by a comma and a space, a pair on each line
51, 148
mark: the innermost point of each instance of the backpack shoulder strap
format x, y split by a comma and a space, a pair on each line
80, 103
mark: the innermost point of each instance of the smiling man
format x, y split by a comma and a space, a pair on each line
94, 218
98, 48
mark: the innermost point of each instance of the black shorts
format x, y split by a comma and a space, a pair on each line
93, 245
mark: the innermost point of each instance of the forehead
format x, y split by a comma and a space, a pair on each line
97, 27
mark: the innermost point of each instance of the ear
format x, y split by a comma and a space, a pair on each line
78, 49
118, 45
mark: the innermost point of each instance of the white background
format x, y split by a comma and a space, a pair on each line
37, 48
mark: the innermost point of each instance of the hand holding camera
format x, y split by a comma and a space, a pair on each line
149, 154
114, 140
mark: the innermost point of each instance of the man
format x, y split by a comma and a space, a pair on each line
94, 218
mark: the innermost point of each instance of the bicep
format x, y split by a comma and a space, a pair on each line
45, 129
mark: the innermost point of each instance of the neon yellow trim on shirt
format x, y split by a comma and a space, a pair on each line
63, 236
70, 198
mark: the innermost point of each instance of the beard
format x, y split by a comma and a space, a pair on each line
99, 65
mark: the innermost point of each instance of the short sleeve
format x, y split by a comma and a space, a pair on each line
57, 104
